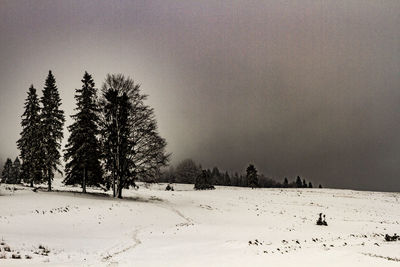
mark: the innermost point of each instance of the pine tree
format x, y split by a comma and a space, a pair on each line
310, 185
30, 142
16, 171
304, 183
252, 177
286, 183
203, 181
6, 174
83, 148
299, 184
143, 153
52, 123
227, 179
216, 176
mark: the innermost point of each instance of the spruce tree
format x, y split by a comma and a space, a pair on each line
6, 174
304, 183
30, 142
252, 176
16, 171
203, 181
227, 179
83, 150
52, 123
299, 184
310, 185
286, 183
216, 176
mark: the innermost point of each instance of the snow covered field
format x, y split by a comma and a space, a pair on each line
224, 227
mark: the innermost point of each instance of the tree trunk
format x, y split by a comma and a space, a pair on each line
120, 190
84, 180
49, 179
113, 182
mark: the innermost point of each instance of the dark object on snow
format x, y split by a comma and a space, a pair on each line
169, 188
252, 176
203, 181
321, 220
394, 237
16, 256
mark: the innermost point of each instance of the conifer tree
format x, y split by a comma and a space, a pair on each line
83, 148
30, 142
203, 181
227, 179
310, 185
16, 171
304, 183
299, 184
6, 174
285, 183
216, 176
252, 176
52, 123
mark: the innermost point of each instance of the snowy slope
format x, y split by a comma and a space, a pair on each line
224, 227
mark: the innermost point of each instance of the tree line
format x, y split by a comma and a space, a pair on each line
113, 138
188, 172
113, 142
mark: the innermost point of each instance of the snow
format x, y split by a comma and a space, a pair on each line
224, 227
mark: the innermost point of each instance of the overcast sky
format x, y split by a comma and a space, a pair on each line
309, 88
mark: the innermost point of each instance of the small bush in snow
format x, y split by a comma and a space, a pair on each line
16, 256
394, 237
321, 220
169, 188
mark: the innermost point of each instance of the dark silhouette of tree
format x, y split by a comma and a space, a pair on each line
6, 174
30, 142
304, 183
83, 148
286, 183
52, 123
236, 179
116, 134
299, 184
16, 171
320, 186
203, 181
169, 175
129, 130
217, 176
227, 179
252, 176
187, 171
310, 185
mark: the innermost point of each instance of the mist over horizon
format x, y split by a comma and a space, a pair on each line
296, 88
